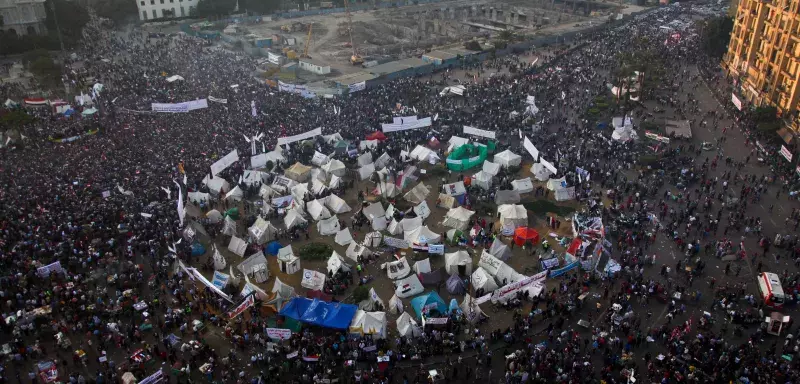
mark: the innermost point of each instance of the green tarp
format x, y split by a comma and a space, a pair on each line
466, 157
233, 213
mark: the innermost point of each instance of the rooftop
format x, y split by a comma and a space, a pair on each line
315, 62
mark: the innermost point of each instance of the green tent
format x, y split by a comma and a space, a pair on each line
467, 156
233, 213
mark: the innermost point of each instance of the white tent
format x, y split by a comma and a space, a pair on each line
491, 168
456, 142
214, 216
364, 159
420, 153
336, 262
335, 182
387, 190
283, 184
316, 209
410, 286
198, 197
489, 263
445, 201
366, 171
482, 280
382, 161
540, 172
410, 223
251, 178
513, 215
262, 231
319, 159
336, 204
236, 194
422, 210
522, 185
379, 223
317, 186
458, 218
343, 237
407, 326
283, 293
458, 262
417, 194
252, 262
354, 250
261, 160
332, 138
422, 266
293, 219
422, 235
395, 305
373, 302
471, 310
298, 172
554, 184
373, 211
229, 227
500, 250
507, 159
397, 269
217, 185
394, 227
367, 144
373, 239
334, 167
482, 179
328, 226
287, 262
454, 189
219, 260
266, 192
237, 246
369, 323
300, 191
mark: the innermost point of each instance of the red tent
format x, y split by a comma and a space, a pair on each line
525, 234
377, 135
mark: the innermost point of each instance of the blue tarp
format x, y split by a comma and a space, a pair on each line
198, 249
454, 308
429, 303
273, 248
320, 313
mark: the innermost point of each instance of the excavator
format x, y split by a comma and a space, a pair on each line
355, 59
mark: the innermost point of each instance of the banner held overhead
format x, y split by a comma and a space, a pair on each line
479, 132
303, 136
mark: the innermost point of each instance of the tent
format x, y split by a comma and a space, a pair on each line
366, 171
369, 323
482, 179
266, 192
471, 310
445, 201
317, 186
407, 326
456, 142
540, 172
458, 262
377, 135
373, 211
395, 305
283, 184
422, 266
491, 168
364, 159
332, 138
500, 250
354, 250
482, 280
410, 286
554, 184
458, 218
219, 261
373, 239
387, 190
262, 231
433, 278
198, 249
456, 285
319, 159
336, 262
422, 235
382, 161
229, 227
410, 223
273, 247
282, 294
334, 167
343, 237
298, 172
217, 185
293, 219
237, 246
214, 216
429, 304
508, 159
198, 197
394, 228
522, 185
523, 235
397, 269
367, 144
328, 226
319, 313
336, 204
251, 178
261, 160
316, 209
246, 267
421, 153
512, 215
373, 302
288, 263
506, 197
417, 194
300, 191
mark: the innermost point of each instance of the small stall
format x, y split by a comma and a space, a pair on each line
775, 323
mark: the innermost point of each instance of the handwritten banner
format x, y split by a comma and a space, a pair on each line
396, 243
279, 333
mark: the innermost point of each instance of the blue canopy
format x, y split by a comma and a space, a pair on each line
198, 249
273, 248
320, 313
430, 304
454, 308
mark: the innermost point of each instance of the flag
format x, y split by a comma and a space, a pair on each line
253, 108
181, 210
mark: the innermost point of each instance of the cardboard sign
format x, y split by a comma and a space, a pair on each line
550, 263
436, 249
279, 333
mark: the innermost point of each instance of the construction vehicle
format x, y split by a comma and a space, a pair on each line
355, 59
286, 28
304, 55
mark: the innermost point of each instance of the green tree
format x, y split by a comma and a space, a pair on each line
262, 7
768, 114
15, 119
214, 8
472, 45
71, 19
506, 35
47, 72
361, 293
715, 36
119, 11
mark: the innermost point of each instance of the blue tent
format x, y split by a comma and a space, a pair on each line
320, 313
454, 308
198, 249
273, 248
431, 304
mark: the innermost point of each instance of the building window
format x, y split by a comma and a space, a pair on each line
152, 2
144, 15
162, 1
183, 13
155, 15
142, 3
171, 1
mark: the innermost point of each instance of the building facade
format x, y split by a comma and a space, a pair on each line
763, 57
164, 9
314, 66
23, 17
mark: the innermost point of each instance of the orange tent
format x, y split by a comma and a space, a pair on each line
377, 135
525, 234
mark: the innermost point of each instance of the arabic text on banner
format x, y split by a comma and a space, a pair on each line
186, 106
357, 87
421, 123
302, 136
479, 132
279, 333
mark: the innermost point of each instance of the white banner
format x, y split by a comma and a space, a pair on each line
508, 291
357, 87
313, 280
302, 136
786, 153
179, 107
421, 123
224, 162
220, 279
531, 149
396, 243
564, 194
483, 299
293, 88
436, 249
736, 101
479, 132
50, 268
216, 100
279, 333
181, 209
274, 58
549, 166
404, 119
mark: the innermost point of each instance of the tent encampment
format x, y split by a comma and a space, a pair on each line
336, 263
373, 239
328, 226
540, 172
334, 167
512, 215
395, 305
407, 326
421, 235
369, 323
366, 171
298, 172
237, 246
508, 159
410, 286
397, 269
236, 194
422, 266
229, 227
500, 250
430, 304
456, 285
317, 211
482, 179
445, 201
319, 313
482, 280
354, 250
364, 159
293, 219
262, 231
458, 262
472, 311
336, 204
373, 302
288, 263
522, 185
417, 194
491, 168
458, 218
343, 237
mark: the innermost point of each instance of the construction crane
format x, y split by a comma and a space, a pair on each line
355, 59
308, 42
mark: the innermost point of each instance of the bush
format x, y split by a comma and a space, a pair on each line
315, 251
543, 207
472, 45
360, 294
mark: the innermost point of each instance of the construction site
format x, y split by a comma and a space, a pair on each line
348, 41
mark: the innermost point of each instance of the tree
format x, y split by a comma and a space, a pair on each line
47, 72
768, 114
214, 8
715, 36
260, 6
472, 45
15, 119
119, 11
71, 19
360, 294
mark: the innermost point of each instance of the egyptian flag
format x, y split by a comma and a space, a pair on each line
311, 358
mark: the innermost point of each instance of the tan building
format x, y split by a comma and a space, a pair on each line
22, 17
764, 56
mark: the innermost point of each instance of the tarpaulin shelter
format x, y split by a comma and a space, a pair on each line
300, 191
422, 235
408, 286
417, 194
293, 219
506, 197
320, 313
283, 184
334, 167
512, 215
262, 231
524, 235
261, 160
319, 159
456, 285
288, 263
198, 249
421, 153
466, 157
387, 190
482, 179
491, 168
298, 172
410, 223
540, 172
251, 178
219, 261
397, 269
508, 159
233, 213
500, 250
336, 263
373, 211
522, 185
407, 326
382, 161
343, 237
458, 218
555, 184
377, 135
273, 247
369, 323
253, 261
430, 304
459, 262
317, 186
483, 280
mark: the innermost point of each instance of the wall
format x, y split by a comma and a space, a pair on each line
148, 6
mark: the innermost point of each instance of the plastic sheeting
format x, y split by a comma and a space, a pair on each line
320, 313
466, 157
